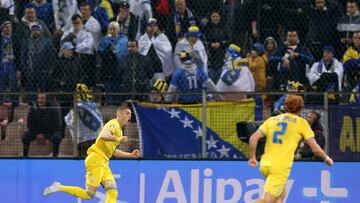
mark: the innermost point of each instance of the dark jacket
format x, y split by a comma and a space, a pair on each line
133, 26
43, 120
319, 137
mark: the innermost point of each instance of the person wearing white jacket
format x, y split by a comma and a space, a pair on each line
90, 23
328, 64
157, 40
192, 42
82, 39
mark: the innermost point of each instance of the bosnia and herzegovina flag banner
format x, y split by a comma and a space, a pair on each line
175, 130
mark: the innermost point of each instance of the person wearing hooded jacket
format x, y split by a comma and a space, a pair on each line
189, 78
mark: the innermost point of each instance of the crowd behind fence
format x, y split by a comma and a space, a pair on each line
217, 45
211, 129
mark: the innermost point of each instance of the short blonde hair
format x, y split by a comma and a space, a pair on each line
113, 24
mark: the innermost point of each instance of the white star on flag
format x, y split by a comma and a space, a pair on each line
198, 132
224, 152
211, 143
187, 122
173, 113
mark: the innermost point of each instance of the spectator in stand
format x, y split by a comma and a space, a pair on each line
108, 54
66, 72
143, 11
135, 72
349, 23
180, 21
217, 39
189, 78
326, 74
34, 69
351, 63
89, 122
101, 15
8, 72
236, 76
45, 12
43, 122
257, 64
274, 61
128, 23
84, 48
156, 46
323, 17
7, 11
192, 42
294, 60
157, 91
266, 20
105, 4
304, 151
239, 30
22, 31
90, 23
63, 11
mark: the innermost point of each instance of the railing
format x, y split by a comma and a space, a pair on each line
209, 129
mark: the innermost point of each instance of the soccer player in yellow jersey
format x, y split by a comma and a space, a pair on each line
283, 133
97, 161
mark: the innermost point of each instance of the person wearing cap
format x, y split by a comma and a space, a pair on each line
193, 42
35, 70
156, 46
217, 40
8, 73
22, 31
67, 64
327, 72
127, 20
189, 78
257, 64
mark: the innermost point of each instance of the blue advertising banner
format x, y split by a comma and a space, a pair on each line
22, 181
344, 132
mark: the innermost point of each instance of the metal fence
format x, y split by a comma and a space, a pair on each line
208, 129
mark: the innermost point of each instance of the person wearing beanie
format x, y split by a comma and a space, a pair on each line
193, 42
327, 73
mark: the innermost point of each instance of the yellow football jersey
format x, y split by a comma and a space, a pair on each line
283, 134
107, 148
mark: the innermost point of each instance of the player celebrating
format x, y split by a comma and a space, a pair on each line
97, 161
283, 134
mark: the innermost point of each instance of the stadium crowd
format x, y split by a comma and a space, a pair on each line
220, 45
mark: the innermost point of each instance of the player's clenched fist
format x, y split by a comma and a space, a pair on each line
136, 153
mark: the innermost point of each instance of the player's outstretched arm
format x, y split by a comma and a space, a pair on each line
121, 154
254, 139
316, 149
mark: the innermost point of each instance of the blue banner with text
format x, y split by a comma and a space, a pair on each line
178, 181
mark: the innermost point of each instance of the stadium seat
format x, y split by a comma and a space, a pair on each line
66, 145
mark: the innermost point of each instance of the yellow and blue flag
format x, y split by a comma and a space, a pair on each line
175, 130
